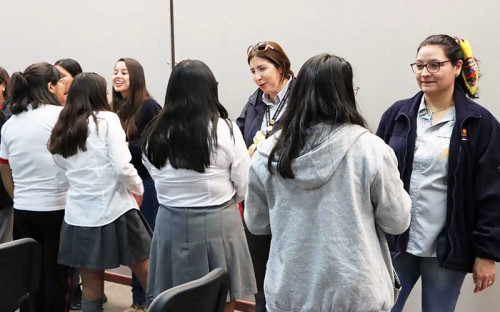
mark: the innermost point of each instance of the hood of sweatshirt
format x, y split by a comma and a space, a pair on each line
324, 150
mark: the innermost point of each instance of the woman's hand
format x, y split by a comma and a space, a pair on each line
484, 274
252, 149
138, 198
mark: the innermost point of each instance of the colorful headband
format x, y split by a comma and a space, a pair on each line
470, 68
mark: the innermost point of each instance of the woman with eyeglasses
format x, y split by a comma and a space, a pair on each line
199, 163
69, 68
136, 108
327, 190
25, 162
102, 228
270, 69
448, 150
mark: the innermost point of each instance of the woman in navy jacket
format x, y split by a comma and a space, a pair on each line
448, 150
270, 68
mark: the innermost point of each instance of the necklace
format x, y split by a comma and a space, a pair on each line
429, 112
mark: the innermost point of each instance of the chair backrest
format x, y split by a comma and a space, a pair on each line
207, 294
20, 266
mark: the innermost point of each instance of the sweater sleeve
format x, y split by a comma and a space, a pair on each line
120, 156
391, 202
256, 212
486, 233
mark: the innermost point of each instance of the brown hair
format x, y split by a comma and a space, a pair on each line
128, 109
5, 78
276, 56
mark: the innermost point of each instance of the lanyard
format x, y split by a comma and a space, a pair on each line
270, 122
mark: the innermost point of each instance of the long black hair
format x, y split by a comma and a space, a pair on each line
185, 131
87, 95
128, 108
323, 93
32, 87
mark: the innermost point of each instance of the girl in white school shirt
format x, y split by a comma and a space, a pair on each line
103, 227
36, 96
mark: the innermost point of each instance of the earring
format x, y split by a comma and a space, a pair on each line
456, 75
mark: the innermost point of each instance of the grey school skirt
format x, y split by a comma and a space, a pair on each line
190, 242
125, 241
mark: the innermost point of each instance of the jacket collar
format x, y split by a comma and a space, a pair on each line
464, 108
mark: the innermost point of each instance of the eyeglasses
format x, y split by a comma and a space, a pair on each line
259, 46
432, 67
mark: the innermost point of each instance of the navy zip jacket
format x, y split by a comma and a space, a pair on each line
472, 226
250, 120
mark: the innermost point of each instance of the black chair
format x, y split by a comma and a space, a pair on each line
20, 266
207, 294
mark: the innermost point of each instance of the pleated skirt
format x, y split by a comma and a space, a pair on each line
190, 242
125, 241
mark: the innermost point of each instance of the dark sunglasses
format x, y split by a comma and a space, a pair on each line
259, 46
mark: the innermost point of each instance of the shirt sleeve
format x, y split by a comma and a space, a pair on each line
120, 157
391, 202
4, 150
239, 165
61, 178
256, 212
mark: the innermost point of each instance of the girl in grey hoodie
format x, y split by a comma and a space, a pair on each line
327, 190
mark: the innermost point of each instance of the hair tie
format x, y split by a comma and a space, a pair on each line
470, 68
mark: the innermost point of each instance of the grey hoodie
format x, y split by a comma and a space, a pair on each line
328, 248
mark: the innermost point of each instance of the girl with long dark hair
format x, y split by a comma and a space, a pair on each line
327, 190
102, 227
25, 162
136, 108
199, 162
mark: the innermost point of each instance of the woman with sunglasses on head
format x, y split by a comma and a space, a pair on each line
25, 163
136, 108
448, 150
199, 162
6, 211
69, 68
102, 228
270, 68
327, 190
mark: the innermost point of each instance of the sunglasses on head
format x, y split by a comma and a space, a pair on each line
259, 46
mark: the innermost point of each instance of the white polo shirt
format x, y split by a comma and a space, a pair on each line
24, 148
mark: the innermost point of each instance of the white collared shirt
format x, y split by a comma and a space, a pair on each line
24, 148
101, 178
273, 107
225, 178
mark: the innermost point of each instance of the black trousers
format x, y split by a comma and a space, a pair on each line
259, 246
45, 228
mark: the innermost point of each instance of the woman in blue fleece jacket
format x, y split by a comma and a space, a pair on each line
448, 150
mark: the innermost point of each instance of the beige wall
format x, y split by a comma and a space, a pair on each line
379, 38
95, 33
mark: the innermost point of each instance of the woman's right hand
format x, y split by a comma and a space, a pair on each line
252, 149
138, 198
